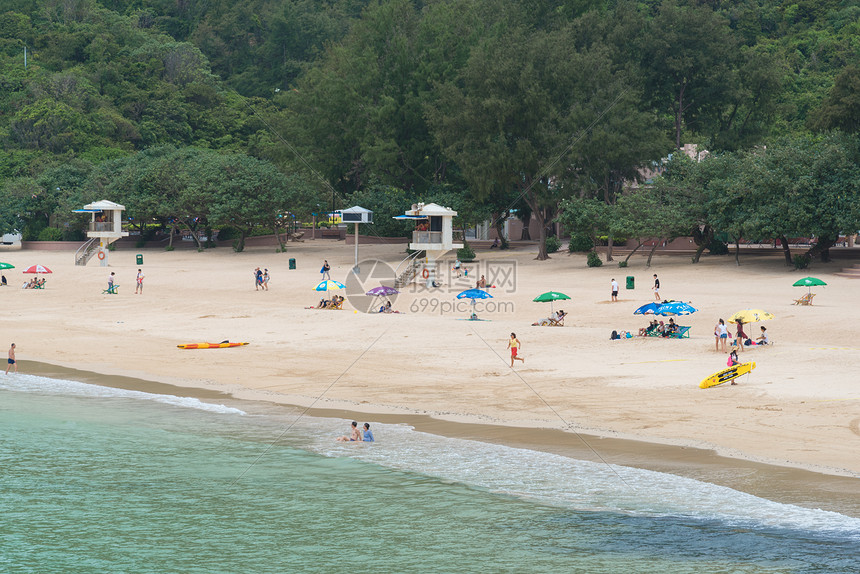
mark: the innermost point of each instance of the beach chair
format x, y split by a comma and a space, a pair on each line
805, 300
112, 290
681, 333
39, 286
555, 323
339, 305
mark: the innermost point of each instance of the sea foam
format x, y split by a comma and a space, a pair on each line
575, 484
44, 385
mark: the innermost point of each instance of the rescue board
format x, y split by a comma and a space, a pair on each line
727, 375
210, 345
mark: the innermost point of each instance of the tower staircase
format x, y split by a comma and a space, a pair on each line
86, 251
407, 271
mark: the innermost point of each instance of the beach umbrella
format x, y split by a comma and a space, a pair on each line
550, 296
808, 282
751, 316
37, 269
474, 294
329, 285
6, 266
648, 309
382, 291
675, 308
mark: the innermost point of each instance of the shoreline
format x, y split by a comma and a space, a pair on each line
819, 488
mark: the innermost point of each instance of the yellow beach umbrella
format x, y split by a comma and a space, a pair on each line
751, 316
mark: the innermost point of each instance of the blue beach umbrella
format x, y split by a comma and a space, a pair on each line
676, 308
474, 294
329, 285
649, 309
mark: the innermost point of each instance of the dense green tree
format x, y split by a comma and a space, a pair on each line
841, 108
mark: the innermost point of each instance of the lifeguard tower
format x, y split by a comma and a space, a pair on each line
434, 234
104, 228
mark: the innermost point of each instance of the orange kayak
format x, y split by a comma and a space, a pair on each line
210, 345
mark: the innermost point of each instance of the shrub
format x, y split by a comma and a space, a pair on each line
73, 235
169, 248
552, 244
802, 261
717, 247
594, 259
622, 263
580, 243
466, 253
50, 234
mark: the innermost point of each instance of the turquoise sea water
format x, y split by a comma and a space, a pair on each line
96, 479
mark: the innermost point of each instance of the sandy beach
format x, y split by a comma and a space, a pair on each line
799, 408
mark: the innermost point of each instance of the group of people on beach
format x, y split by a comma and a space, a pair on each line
34, 283
659, 329
357, 434
261, 279
722, 336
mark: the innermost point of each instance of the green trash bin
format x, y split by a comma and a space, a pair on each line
630, 282
139, 259
292, 263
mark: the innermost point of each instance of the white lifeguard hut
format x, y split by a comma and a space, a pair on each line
104, 228
434, 234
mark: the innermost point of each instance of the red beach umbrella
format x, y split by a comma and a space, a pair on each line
37, 269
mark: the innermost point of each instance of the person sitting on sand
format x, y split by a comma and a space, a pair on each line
482, 283
764, 339
354, 434
3, 281
368, 434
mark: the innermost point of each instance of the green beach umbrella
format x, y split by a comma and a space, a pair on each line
6, 266
808, 282
550, 296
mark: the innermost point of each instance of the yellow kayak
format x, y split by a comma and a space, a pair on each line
210, 345
727, 375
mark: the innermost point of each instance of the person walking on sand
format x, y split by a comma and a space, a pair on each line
721, 335
325, 270
513, 345
614, 289
258, 279
12, 360
656, 288
110, 281
139, 285
266, 279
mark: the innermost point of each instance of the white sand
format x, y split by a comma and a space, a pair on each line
800, 406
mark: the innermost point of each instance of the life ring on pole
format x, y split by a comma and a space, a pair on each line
102, 255
425, 274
